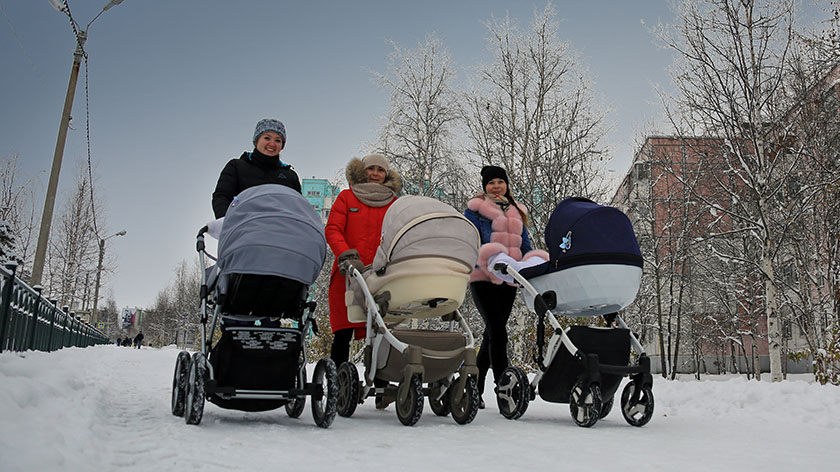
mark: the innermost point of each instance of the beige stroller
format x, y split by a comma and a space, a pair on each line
421, 270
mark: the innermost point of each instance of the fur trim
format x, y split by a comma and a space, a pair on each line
484, 207
507, 226
355, 174
481, 196
485, 252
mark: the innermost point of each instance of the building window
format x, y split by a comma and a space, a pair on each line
788, 273
640, 171
787, 330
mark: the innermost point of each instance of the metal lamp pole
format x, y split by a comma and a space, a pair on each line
94, 315
49, 202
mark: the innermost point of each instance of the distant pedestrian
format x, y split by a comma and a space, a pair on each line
119, 341
138, 340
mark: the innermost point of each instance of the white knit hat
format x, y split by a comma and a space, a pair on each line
376, 160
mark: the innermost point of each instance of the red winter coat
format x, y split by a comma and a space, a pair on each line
353, 225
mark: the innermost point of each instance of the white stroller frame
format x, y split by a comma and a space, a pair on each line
441, 396
585, 402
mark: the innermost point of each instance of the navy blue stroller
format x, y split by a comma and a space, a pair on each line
271, 249
594, 269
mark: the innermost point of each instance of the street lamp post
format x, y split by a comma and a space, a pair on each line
94, 315
49, 202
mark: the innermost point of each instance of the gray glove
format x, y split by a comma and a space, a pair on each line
347, 259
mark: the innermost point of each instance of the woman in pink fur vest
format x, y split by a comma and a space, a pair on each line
501, 222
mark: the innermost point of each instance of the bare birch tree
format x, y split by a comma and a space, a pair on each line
17, 211
809, 266
176, 307
418, 135
73, 250
729, 79
533, 113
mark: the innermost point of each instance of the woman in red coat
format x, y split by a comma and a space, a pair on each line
354, 229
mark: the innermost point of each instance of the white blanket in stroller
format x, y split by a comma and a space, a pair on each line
513, 263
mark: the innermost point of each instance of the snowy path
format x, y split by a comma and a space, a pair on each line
107, 408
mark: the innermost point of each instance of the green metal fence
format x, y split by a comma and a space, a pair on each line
30, 321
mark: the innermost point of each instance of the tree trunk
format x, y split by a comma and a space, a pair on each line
663, 356
774, 333
679, 326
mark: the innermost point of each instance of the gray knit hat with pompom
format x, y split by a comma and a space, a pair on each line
269, 124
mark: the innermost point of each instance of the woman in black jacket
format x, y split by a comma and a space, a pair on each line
260, 166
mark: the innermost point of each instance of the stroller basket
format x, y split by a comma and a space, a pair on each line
612, 347
255, 358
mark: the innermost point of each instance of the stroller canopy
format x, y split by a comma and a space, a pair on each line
272, 230
416, 226
581, 232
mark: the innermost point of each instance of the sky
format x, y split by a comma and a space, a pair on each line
176, 88
107, 408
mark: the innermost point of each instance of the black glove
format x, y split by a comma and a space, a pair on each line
347, 259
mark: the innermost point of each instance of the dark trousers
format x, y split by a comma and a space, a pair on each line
494, 303
340, 350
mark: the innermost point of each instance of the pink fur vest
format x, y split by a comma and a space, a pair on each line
506, 236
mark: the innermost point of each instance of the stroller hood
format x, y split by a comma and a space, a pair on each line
416, 226
272, 230
581, 232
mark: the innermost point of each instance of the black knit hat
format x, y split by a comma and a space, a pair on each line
489, 173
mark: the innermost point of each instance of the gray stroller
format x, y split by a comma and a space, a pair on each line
271, 248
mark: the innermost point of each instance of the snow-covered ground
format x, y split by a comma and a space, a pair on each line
107, 408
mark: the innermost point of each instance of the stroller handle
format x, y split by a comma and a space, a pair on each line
501, 267
199, 243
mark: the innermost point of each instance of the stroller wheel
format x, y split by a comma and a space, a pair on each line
179, 383
637, 409
348, 389
194, 405
326, 377
585, 404
410, 400
439, 398
295, 406
513, 393
606, 407
464, 411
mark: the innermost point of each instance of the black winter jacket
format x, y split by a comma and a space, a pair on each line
251, 169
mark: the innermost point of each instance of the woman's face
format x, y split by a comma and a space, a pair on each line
496, 187
270, 143
375, 174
